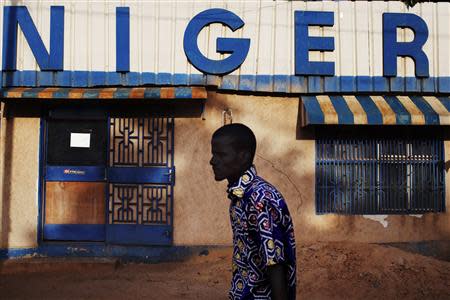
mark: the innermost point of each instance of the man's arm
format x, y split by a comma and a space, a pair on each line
277, 277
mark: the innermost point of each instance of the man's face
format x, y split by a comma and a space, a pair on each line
226, 161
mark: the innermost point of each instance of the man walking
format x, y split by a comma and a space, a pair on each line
264, 265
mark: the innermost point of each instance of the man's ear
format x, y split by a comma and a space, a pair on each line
245, 156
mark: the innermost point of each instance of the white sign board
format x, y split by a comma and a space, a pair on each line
80, 140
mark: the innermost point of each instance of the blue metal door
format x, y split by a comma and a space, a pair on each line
140, 176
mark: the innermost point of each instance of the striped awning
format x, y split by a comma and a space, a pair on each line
105, 93
375, 110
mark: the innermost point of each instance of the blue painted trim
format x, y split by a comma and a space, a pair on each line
18, 252
75, 232
446, 102
431, 117
180, 79
332, 84
230, 82
299, 84
33, 93
402, 116
41, 190
430, 84
380, 84
158, 175
364, 84
261, 83
348, 84
247, 83
374, 116
197, 79
412, 85
315, 84
29, 78
64, 79
80, 78
183, 93
75, 173
264, 83
139, 234
164, 78
139, 253
45, 78
313, 112
443, 84
345, 115
281, 83
152, 93
397, 84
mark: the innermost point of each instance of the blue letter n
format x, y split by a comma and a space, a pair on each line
19, 15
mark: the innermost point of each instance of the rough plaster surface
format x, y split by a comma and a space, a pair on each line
201, 205
19, 182
378, 218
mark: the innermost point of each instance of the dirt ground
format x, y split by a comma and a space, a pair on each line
326, 271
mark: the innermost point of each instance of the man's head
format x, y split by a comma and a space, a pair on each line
233, 147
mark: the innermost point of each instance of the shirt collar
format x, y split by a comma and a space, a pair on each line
238, 188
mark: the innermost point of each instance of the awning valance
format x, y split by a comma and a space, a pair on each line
106, 93
375, 110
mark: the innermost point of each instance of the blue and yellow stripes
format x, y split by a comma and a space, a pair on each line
375, 110
106, 93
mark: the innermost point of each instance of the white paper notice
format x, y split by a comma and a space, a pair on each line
80, 140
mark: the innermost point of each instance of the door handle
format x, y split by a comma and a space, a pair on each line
170, 174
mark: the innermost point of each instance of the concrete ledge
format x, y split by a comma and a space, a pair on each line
438, 249
149, 254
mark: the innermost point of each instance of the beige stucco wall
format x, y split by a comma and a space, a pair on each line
19, 165
201, 205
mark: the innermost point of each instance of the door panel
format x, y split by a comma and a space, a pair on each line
117, 186
75, 203
141, 177
74, 176
75, 211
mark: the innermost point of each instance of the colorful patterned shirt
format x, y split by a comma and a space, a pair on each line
263, 235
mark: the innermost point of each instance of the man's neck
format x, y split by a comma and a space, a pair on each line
232, 180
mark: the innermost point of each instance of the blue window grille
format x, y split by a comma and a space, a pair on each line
379, 176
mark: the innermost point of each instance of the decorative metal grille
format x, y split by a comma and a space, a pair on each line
139, 204
142, 143
376, 176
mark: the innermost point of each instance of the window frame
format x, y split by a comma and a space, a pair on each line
335, 186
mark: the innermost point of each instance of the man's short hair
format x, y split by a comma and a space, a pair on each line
243, 137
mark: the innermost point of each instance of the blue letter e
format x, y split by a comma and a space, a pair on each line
305, 43
392, 48
238, 48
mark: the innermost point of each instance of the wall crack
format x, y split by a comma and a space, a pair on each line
300, 197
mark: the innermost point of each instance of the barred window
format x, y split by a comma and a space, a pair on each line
379, 176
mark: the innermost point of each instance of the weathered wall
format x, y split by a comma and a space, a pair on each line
201, 205
19, 167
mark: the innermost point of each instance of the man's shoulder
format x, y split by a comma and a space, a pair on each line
263, 190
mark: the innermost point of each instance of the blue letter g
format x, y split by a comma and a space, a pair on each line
238, 48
